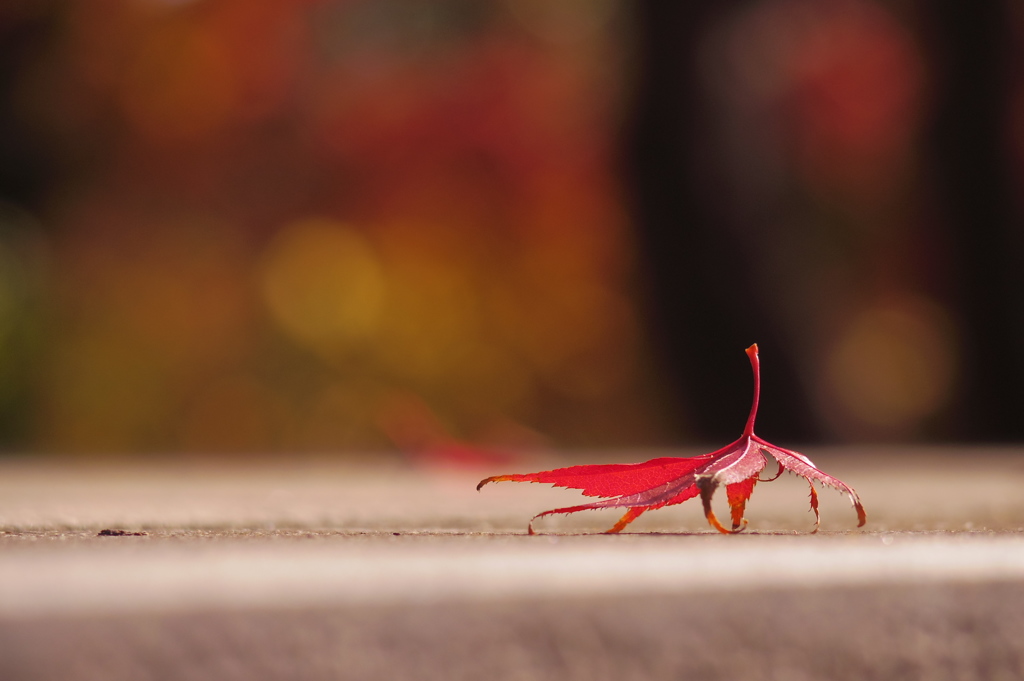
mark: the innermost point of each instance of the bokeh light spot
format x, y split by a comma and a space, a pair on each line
893, 367
323, 284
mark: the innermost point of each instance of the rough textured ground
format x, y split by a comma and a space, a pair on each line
316, 570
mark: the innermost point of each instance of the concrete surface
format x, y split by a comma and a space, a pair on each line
318, 570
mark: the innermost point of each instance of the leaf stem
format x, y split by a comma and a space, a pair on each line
756, 366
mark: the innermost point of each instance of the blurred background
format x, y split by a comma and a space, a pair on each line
457, 228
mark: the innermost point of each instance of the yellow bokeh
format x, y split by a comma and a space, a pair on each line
892, 368
323, 284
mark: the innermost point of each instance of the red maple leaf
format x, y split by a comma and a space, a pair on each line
665, 481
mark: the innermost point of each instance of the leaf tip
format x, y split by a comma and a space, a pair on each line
493, 478
862, 517
707, 484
